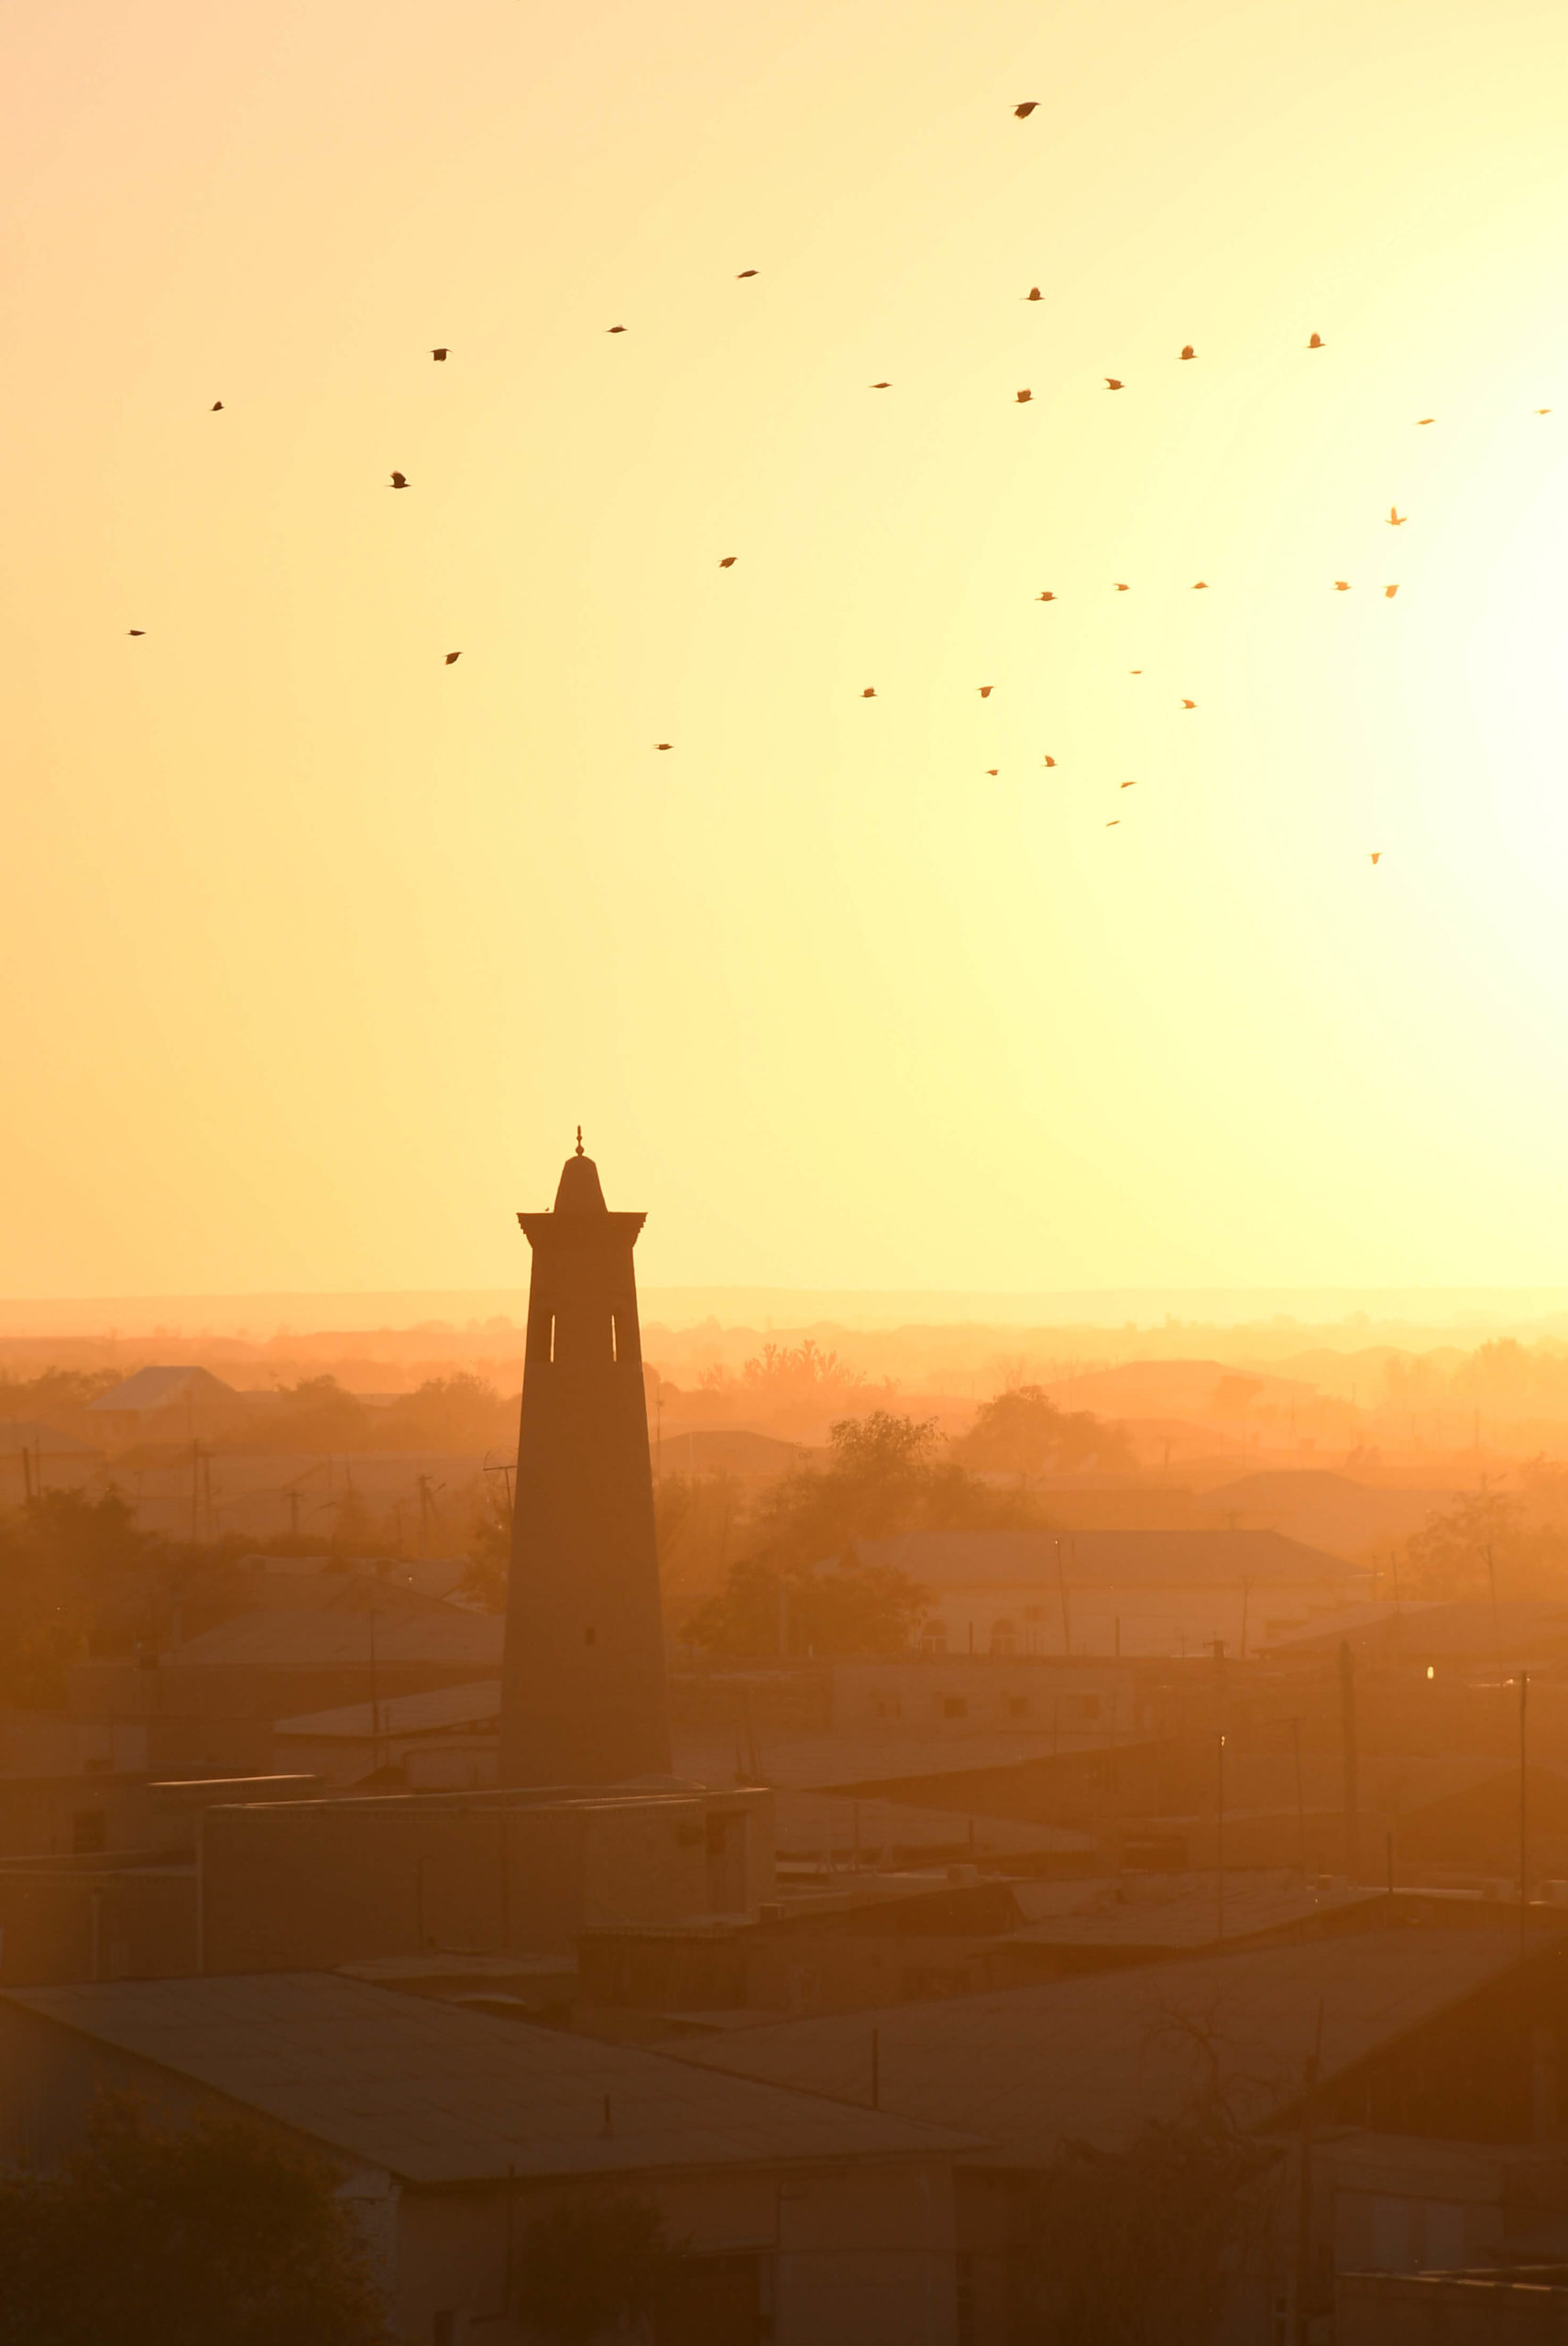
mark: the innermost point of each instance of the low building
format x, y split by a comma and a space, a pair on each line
802, 2222
1117, 1593
176, 1404
443, 1741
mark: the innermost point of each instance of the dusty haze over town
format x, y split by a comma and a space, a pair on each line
784, 1292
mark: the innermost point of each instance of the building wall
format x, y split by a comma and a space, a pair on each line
311, 1885
101, 1923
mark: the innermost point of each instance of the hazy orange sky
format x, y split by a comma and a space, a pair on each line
315, 949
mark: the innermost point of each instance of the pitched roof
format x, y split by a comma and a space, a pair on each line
436, 2093
154, 1389
475, 1704
1108, 1559
281, 1639
26, 1433
1094, 2057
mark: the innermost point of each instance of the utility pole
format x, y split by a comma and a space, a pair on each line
1301, 2325
1301, 1802
1347, 1729
1524, 1812
374, 1702
1065, 1623
1220, 1842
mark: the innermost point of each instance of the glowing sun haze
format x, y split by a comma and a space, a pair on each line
315, 948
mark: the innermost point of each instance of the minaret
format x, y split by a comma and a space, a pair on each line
584, 1698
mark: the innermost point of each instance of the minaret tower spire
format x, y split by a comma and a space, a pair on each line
584, 1695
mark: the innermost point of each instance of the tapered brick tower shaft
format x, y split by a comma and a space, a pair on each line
584, 1698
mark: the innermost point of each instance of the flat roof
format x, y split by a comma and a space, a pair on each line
439, 2094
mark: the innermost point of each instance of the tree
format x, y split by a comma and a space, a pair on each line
1136, 2247
217, 2234
71, 1568
593, 2265
1023, 1432
1468, 1549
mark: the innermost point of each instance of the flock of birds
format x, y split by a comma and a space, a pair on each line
440, 352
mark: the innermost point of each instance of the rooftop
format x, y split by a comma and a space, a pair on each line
1092, 2057
438, 2094
1109, 1559
155, 1389
478, 1703
285, 1638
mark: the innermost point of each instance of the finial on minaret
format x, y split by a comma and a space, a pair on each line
579, 1140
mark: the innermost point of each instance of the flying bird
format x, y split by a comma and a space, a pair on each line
1047, 597
1342, 586
727, 562
1390, 593
662, 745
1186, 351
1377, 858
1131, 785
1112, 824
1544, 410
1397, 520
881, 386
744, 272
439, 355
1021, 396
1032, 294
1050, 761
993, 769
1316, 343
870, 693
1115, 383
985, 691
451, 656
399, 480
1198, 584
136, 631
1189, 703
1121, 586
1426, 419
1134, 671
615, 329
216, 408
1026, 109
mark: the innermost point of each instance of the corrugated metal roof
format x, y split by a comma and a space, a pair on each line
469, 1706
438, 2094
1110, 1559
1094, 2057
286, 1639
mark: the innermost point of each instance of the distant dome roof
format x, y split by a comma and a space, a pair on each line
579, 1190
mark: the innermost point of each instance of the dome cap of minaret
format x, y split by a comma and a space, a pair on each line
579, 1190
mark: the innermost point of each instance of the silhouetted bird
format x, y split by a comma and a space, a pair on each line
1544, 410
136, 631
1032, 294
1377, 858
727, 562
993, 769
1199, 582
1189, 703
1426, 419
615, 329
451, 656
1112, 824
216, 408
1390, 593
1026, 109
1397, 520
1131, 785
1134, 671
1021, 396
1115, 383
662, 745
985, 691
439, 355
1186, 351
1316, 343
1050, 761
1121, 586
881, 386
399, 480
1047, 597
744, 272
1342, 586
870, 693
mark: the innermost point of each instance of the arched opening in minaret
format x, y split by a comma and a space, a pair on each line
553, 1340
614, 1342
